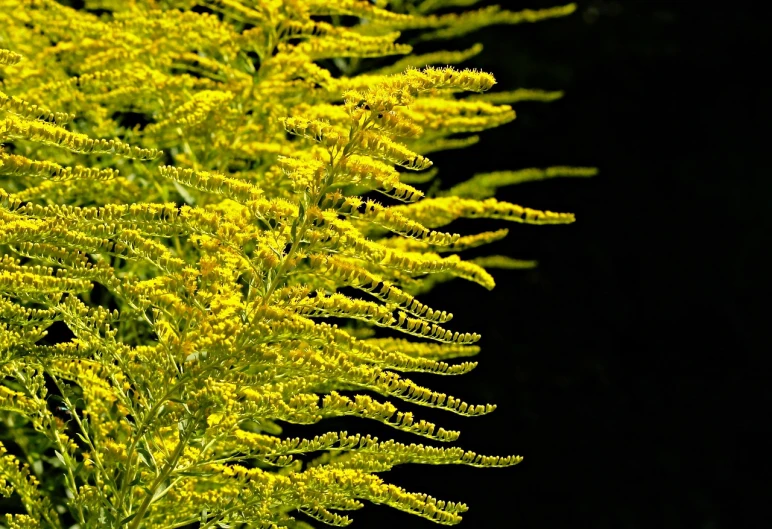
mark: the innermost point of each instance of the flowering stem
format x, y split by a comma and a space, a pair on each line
170, 464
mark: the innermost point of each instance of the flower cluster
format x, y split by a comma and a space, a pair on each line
182, 188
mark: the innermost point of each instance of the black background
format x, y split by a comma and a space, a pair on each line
628, 366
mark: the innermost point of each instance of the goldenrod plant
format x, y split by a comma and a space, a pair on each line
219, 205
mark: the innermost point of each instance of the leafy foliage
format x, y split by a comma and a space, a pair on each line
187, 186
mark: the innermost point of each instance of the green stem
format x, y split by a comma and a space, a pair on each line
54, 430
323, 187
86, 437
285, 262
170, 464
127, 477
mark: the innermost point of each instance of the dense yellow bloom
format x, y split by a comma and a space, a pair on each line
184, 192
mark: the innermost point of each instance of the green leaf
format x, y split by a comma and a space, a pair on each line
127, 519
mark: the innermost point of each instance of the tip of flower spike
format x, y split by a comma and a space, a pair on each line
9, 58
